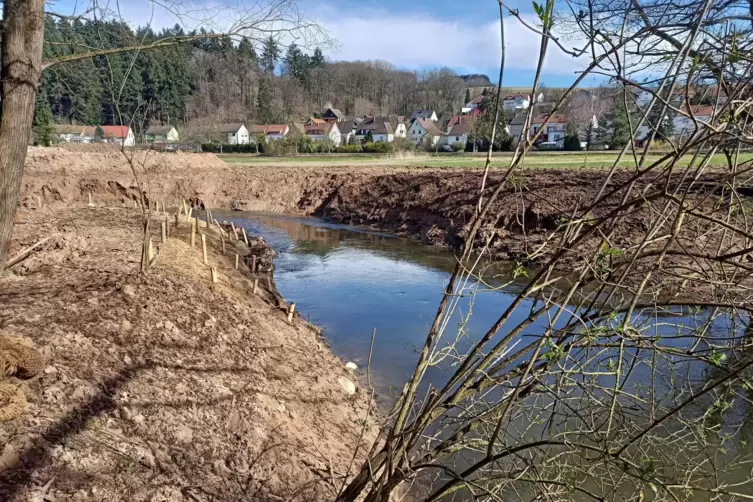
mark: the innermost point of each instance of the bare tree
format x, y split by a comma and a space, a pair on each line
626, 377
23, 38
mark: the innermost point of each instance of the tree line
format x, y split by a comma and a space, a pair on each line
217, 80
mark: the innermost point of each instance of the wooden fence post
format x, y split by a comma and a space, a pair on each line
291, 311
253, 263
256, 285
163, 229
193, 233
91, 204
245, 237
222, 238
213, 272
204, 248
236, 261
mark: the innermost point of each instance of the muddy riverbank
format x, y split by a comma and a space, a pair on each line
432, 205
163, 387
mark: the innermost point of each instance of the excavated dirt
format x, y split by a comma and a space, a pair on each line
432, 205
165, 386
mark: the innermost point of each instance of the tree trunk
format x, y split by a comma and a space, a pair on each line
23, 34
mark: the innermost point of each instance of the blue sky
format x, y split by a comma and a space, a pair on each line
411, 34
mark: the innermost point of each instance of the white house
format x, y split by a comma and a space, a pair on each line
643, 97
424, 114
74, 133
517, 102
122, 135
321, 132
424, 130
515, 126
384, 129
540, 98
684, 125
459, 130
237, 134
347, 130
556, 128
271, 132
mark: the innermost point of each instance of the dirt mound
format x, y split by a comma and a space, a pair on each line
165, 386
90, 147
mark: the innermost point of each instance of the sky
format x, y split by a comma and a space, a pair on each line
410, 34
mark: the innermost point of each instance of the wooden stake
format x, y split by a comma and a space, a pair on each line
245, 237
291, 311
204, 248
222, 238
236, 261
256, 285
253, 263
164, 231
193, 233
150, 251
188, 214
91, 204
213, 272
209, 218
235, 230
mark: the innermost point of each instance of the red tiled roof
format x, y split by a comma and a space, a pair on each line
557, 118
429, 126
478, 99
115, 131
700, 110
513, 96
463, 125
269, 129
320, 129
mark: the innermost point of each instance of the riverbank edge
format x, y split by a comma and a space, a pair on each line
320, 409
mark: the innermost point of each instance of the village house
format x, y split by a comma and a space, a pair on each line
122, 135
556, 128
347, 130
424, 114
384, 129
237, 134
684, 125
333, 115
515, 126
516, 102
323, 132
74, 133
643, 97
424, 130
459, 129
161, 134
472, 106
271, 132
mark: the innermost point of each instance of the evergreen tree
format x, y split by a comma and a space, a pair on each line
270, 55
99, 134
296, 63
468, 96
264, 112
44, 132
246, 51
317, 59
369, 138
620, 124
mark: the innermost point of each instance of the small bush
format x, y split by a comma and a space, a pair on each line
349, 149
458, 147
378, 147
572, 143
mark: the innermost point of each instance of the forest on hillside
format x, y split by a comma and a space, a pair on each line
212, 81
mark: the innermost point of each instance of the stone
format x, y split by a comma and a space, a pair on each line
184, 434
351, 366
348, 386
129, 290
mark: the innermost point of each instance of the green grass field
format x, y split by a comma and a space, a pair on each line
587, 160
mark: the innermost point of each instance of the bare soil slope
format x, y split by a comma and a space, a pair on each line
165, 387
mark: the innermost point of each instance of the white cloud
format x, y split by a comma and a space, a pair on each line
405, 40
418, 41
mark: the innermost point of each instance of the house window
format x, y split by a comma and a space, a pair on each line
457, 138
551, 129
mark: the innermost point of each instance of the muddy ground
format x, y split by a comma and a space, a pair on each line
164, 386
432, 205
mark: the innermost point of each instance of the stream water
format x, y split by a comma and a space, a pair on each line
351, 281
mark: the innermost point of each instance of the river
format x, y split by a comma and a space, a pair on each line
351, 281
